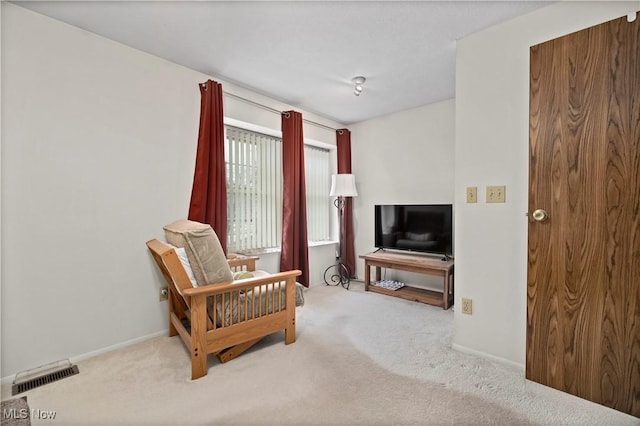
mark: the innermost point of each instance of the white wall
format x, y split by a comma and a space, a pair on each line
405, 157
98, 150
492, 118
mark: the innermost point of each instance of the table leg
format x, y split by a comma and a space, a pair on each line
452, 287
367, 275
445, 291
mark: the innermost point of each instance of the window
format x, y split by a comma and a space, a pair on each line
318, 182
254, 190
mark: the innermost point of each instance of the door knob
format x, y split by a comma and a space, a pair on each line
540, 215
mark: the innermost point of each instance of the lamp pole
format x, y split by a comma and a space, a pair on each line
342, 186
339, 272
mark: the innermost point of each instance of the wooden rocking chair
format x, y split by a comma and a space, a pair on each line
225, 319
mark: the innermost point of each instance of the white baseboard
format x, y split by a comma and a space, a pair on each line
81, 357
121, 345
488, 356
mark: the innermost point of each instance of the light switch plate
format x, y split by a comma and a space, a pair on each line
472, 194
496, 194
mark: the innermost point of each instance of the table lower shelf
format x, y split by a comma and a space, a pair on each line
410, 263
412, 293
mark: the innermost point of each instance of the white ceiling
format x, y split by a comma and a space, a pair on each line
300, 52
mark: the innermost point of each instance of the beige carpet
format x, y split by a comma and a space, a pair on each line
360, 358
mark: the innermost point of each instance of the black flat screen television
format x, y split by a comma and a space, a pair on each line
426, 228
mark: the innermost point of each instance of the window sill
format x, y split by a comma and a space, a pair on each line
322, 243
279, 250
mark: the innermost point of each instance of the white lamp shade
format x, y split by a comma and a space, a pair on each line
343, 185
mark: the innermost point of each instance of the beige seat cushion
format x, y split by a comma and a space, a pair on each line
261, 300
203, 249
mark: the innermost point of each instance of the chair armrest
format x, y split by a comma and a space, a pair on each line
214, 289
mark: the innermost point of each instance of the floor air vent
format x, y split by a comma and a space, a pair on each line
40, 376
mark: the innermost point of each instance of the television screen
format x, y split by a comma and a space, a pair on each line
424, 228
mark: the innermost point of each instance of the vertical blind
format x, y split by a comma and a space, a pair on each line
254, 190
318, 181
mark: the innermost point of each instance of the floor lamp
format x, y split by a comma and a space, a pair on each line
342, 186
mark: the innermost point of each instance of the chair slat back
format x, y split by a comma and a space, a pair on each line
243, 264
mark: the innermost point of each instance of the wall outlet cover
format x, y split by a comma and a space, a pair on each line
164, 293
467, 306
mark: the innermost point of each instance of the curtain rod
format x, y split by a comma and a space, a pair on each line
268, 108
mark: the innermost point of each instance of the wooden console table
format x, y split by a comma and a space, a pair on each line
411, 263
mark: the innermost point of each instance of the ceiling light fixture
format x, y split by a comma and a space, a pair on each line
358, 82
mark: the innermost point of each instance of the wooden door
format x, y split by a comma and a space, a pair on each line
583, 294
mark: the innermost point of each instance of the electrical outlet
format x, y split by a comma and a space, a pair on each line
467, 306
164, 293
472, 194
496, 194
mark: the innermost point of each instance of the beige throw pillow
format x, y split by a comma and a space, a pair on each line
203, 249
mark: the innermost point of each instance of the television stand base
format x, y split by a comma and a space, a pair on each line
411, 263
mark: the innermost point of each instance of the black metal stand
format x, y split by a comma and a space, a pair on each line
338, 273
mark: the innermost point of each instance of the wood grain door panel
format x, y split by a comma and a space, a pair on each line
583, 294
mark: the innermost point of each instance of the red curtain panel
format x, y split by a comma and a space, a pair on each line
295, 250
209, 193
343, 142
